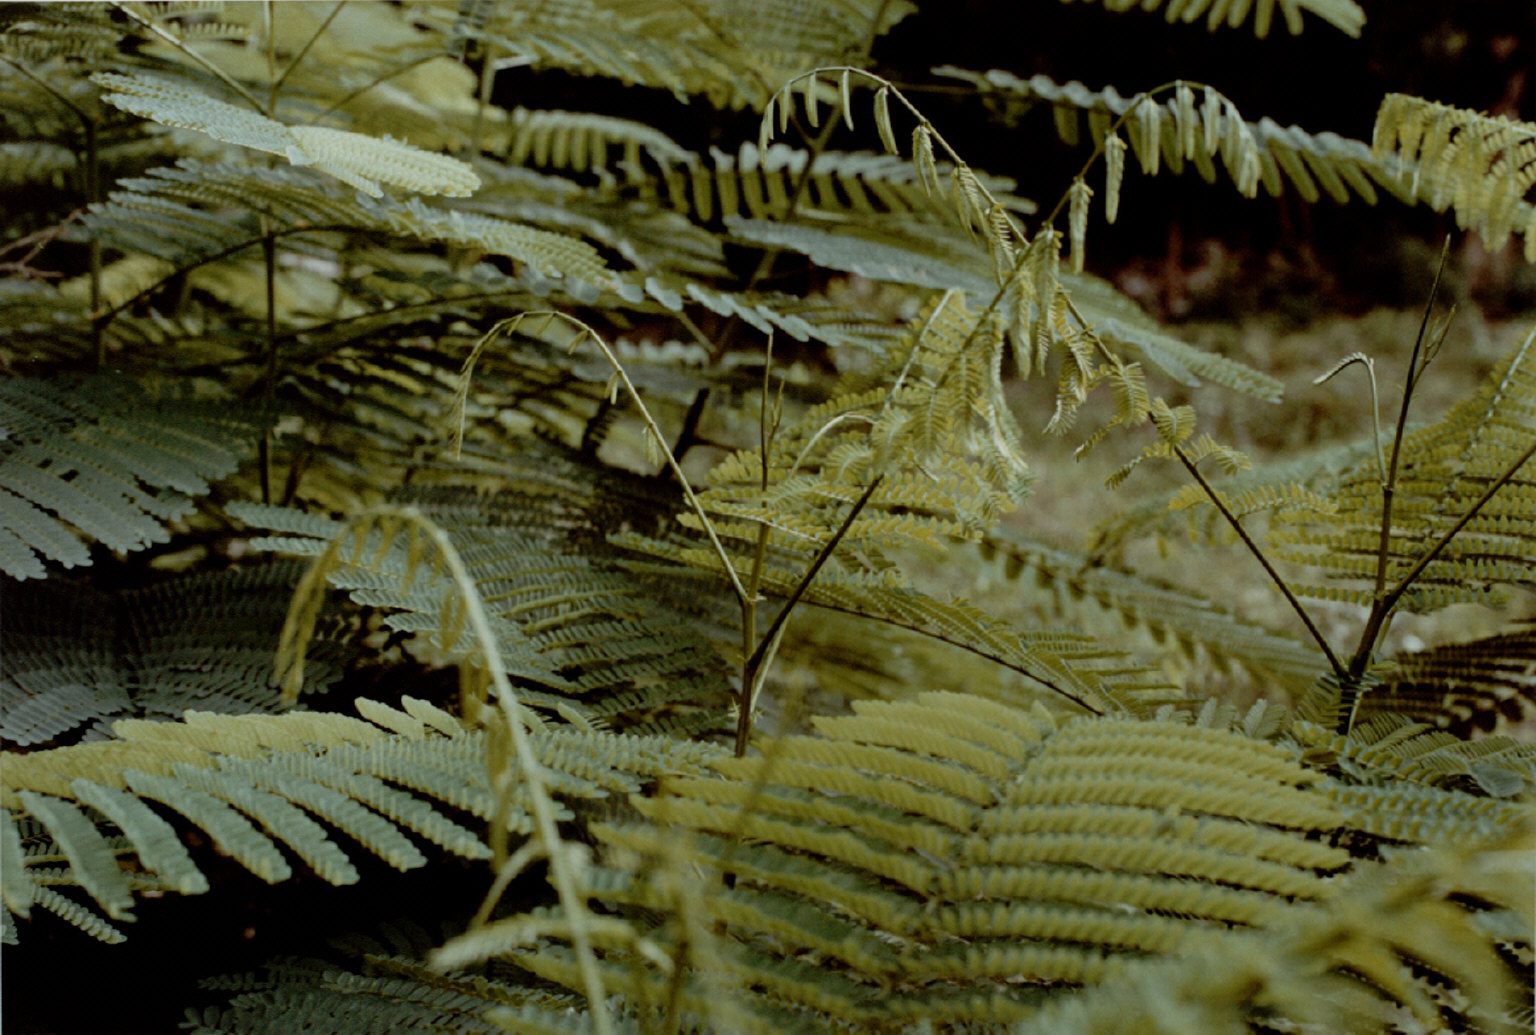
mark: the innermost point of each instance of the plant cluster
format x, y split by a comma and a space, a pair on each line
527, 389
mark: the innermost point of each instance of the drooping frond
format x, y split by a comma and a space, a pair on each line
1344, 15
77, 658
1479, 166
400, 779
1183, 130
941, 256
98, 458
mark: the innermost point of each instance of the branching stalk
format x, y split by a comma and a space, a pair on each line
1381, 608
1253, 548
304, 50
755, 668
1388, 600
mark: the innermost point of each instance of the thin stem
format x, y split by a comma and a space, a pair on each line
88, 125
507, 326
483, 95
1410, 382
208, 66
770, 257
759, 560
43, 84
754, 669
355, 94
304, 51
1253, 548
1370, 373
533, 777
269, 374
1380, 607
303, 610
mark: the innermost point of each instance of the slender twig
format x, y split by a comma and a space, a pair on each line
269, 373
355, 94
93, 253
269, 268
295, 635
754, 668
88, 126
1410, 382
770, 257
510, 324
1380, 608
759, 559
1253, 548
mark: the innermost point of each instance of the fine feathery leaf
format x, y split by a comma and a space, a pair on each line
355, 158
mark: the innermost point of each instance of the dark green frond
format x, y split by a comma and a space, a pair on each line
76, 659
100, 458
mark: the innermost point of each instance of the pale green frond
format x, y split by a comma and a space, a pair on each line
1479, 166
355, 158
1164, 133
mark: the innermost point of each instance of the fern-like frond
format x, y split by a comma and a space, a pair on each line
100, 458
1445, 468
382, 787
1178, 131
888, 840
1334, 964
77, 658
590, 640
1479, 166
183, 215
1177, 621
1394, 747
734, 53
354, 158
